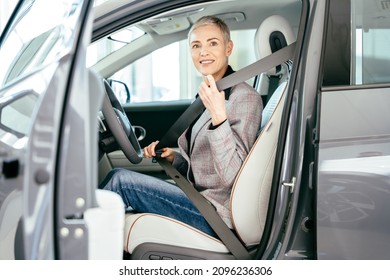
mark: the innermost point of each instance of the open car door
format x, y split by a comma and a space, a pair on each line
49, 103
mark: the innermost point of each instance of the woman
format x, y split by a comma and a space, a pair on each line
212, 149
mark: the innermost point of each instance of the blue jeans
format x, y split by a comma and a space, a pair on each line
146, 194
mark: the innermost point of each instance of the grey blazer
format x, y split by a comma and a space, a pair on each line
213, 158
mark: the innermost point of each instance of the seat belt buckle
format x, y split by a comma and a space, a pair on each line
158, 155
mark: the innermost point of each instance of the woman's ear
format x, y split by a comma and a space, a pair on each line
229, 48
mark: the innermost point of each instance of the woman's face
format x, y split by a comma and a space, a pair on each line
209, 51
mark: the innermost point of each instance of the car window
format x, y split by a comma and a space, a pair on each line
31, 44
168, 73
15, 115
102, 48
371, 41
357, 46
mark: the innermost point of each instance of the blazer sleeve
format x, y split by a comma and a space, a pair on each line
180, 164
231, 142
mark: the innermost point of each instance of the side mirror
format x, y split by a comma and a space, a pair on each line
121, 90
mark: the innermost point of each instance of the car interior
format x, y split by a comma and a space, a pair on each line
275, 26
84, 90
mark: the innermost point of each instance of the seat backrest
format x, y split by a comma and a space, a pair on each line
273, 34
251, 190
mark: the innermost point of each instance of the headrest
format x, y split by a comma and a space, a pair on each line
273, 34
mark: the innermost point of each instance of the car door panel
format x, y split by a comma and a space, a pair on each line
354, 155
353, 135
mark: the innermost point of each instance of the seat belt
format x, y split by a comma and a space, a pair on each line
208, 212
235, 78
226, 235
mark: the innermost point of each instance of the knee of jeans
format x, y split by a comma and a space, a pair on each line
114, 179
121, 176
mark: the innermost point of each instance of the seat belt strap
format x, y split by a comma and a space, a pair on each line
257, 67
170, 137
201, 203
208, 212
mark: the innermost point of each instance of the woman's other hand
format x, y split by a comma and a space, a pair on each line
150, 151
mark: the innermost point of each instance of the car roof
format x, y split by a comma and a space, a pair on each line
113, 12
165, 22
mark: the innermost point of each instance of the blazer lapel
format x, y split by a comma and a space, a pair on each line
198, 126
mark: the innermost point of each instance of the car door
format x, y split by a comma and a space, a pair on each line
335, 163
354, 133
46, 108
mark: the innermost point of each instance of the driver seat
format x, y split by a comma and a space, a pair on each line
151, 236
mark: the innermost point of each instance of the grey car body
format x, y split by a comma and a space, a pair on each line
331, 183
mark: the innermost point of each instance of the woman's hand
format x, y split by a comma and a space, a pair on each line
150, 151
213, 100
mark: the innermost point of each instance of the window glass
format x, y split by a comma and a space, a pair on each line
16, 115
114, 42
356, 50
371, 38
371, 41
31, 44
168, 73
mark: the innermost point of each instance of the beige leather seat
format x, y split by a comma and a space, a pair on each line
150, 236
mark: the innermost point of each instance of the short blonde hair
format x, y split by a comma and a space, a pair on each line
212, 20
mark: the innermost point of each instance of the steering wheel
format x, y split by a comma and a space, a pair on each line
120, 126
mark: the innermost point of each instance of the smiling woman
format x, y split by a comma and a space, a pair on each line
212, 150
145, 78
